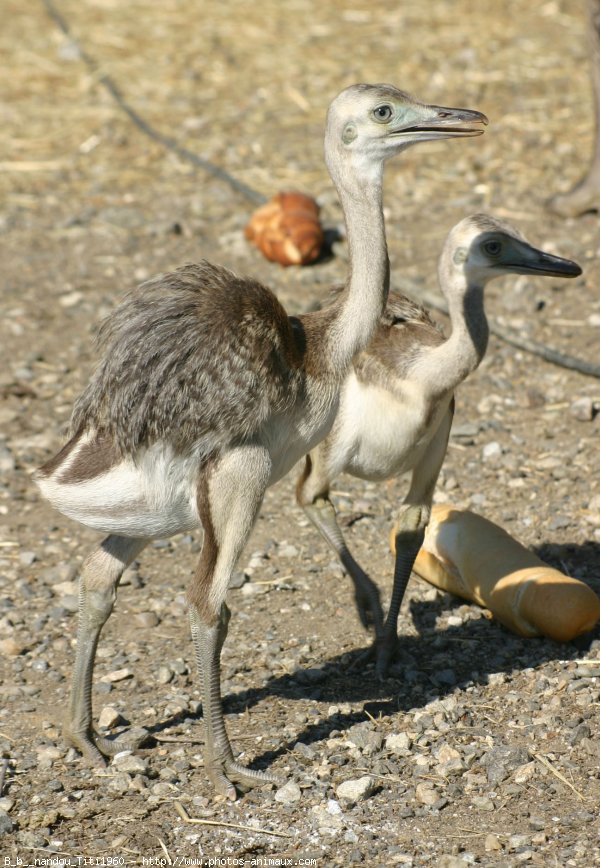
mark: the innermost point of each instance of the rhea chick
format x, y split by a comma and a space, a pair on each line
397, 402
208, 393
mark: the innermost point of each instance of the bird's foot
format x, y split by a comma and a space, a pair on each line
581, 199
383, 651
369, 608
131, 740
228, 777
95, 748
84, 740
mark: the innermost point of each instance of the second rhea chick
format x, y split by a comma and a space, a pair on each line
397, 402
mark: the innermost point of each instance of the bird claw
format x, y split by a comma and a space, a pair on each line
131, 740
85, 742
95, 748
383, 651
365, 613
369, 608
229, 777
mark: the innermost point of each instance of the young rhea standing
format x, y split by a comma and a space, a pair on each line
208, 393
397, 402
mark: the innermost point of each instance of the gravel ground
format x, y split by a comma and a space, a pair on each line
481, 747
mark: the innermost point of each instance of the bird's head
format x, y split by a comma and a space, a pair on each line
481, 247
368, 123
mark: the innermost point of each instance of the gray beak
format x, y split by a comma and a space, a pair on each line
538, 262
441, 122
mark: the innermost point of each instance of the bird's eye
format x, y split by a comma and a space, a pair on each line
382, 113
492, 248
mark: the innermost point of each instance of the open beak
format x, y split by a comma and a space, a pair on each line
440, 122
534, 261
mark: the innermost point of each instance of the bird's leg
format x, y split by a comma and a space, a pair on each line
229, 496
409, 535
585, 196
366, 593
412, 520
222, 769
98, 582
312, 494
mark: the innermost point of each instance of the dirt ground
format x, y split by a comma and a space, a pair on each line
481, 747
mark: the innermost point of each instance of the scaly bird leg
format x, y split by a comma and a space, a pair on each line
98, 583
410, 533
219, 762
585, 196
366, 593
230, 491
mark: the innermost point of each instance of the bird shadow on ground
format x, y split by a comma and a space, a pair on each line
429, 666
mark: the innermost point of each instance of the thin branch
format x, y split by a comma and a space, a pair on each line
166, 141
394, 778
187, 819
557, 774
165, 851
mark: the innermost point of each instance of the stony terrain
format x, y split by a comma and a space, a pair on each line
481, 748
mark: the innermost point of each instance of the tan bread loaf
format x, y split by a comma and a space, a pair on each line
465, 554
287, 229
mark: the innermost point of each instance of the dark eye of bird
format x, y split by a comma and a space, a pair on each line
382, 113
492, 247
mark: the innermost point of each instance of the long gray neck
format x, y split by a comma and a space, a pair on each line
446, 366
361, 304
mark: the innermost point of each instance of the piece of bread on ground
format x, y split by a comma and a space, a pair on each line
467, 555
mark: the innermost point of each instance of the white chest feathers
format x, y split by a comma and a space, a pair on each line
380, 434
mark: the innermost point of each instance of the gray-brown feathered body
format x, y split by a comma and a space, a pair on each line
195, 362
193, 353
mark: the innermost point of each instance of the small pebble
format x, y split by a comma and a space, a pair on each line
492, 843
355, 790
398, 743
66, 588
582, 409
7, 461
491, 450
164, 675
238, 580
128, 762
11, 648
289, 794
146, 620
48, 755
483, 803
117, 675
27, 558
109, 717
524, 773
426, 794
6, 824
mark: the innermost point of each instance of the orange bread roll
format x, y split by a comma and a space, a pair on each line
287, 229
467, 555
